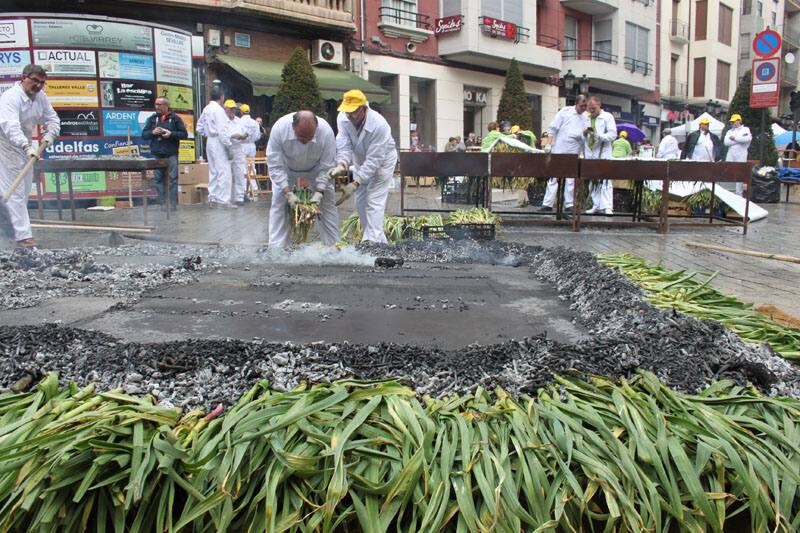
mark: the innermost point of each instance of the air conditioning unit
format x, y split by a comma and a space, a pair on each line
326, 53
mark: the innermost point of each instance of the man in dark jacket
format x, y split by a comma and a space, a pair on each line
165, 130
702, 145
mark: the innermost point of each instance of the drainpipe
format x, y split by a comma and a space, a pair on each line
361, 16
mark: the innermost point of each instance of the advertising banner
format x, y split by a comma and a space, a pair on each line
173, 57
186, 151
91, 33
82, 181
126, 66
69, 148
12, 62
72, 93
179, 97
5, 85
119, 123
134, 94
13, 33
188, 121
80, 123
69, 63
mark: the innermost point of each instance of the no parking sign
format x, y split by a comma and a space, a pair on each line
766, 72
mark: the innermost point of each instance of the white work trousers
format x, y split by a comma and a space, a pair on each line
13, 159
280, 225
219, 172
239, 171
603, 196
371, 205
552, 190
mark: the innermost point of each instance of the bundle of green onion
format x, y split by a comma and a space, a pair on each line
304, 215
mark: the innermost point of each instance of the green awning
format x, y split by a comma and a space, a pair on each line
265, 76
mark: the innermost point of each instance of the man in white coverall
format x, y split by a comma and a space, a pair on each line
365, 141
253, 131
668, 147
567, 128
738, 140
599, 132
301, 145
236, 136
22, 108
212, 124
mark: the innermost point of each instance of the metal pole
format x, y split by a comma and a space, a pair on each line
763, 135
794, 132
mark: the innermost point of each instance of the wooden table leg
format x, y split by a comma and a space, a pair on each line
144, 195
559, 198
71, 195
402, 195
58, 194
711, 206
663, 217
40, 188
169, 189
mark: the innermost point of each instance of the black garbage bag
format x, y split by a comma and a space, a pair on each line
765, 189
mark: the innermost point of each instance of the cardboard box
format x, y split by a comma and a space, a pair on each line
192, 173
201, 189
188, 196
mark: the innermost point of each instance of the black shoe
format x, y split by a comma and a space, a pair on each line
545, 209
240, 203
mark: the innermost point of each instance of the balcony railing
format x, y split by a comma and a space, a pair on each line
548, 41
522, 34
637, 65
679, 29
402, 17
678, 89
590, 55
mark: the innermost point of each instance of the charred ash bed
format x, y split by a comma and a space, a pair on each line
626, 333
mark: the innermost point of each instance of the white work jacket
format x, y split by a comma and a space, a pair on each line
737, 147
287, 156
605, 132
251, 128
371, 149
567, 126
19, 116
213, 121
668, 148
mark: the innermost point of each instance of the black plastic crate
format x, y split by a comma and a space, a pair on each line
458, 232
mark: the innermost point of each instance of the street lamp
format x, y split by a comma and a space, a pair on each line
584, 84
569, 81
713, 108
573, 89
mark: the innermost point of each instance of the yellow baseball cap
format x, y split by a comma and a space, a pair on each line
245, 108
514, 128
352, 100
735, 117
623, 134
230, 104
704, 120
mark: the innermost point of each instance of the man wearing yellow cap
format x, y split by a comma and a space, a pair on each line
737, 140
365, 141
213, 123
702, 145
301, 145
236, 137
253, 132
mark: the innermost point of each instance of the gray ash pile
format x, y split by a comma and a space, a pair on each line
627, 334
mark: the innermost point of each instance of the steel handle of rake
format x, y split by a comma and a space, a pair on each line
31, 161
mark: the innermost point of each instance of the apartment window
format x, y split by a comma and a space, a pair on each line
602, 40
701, 16
725, 24
723, 80
747, 7
744, 46
570, 37
508, 10
636, 48
399, 12
450, 8
699, 87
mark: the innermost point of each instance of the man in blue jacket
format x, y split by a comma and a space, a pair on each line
165, 130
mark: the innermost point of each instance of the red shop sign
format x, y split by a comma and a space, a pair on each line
448, 24
500, 28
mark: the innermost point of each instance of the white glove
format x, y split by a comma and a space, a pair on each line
48, 138
292, 199
316, 198
338, 170
347, 192
30, 151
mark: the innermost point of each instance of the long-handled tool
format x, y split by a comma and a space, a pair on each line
6, 226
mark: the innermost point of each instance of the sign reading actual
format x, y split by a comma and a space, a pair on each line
12, 62
448, 24
173, 57
80, 122
499, 28
69, 63
123, 65
72, 93
13, 33
91, 33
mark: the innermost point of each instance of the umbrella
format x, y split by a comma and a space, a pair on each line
785, 138
635, 135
